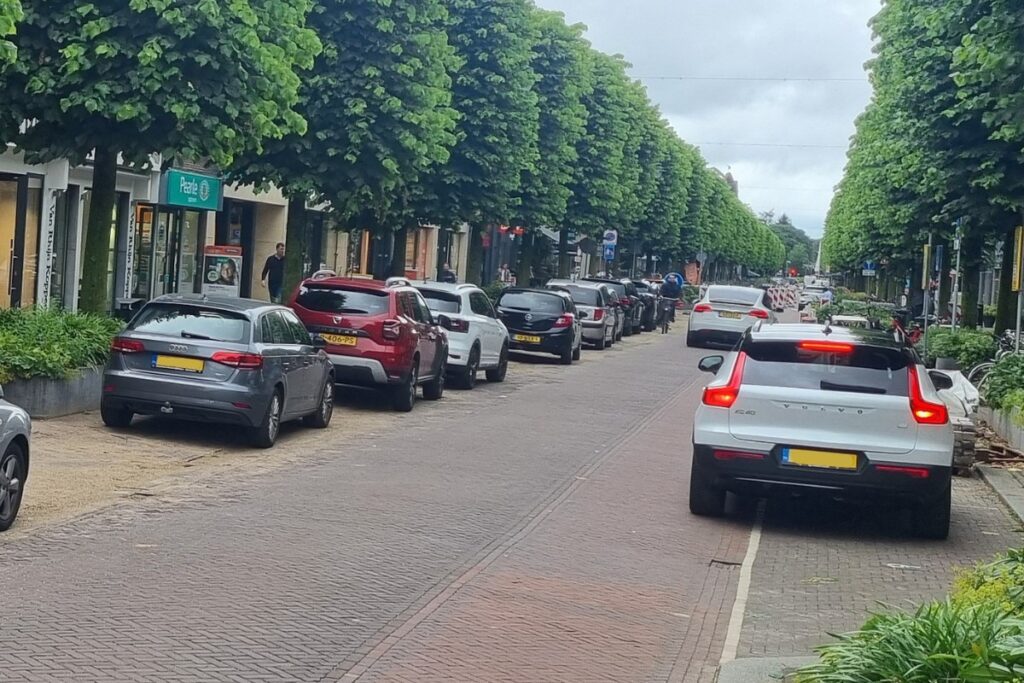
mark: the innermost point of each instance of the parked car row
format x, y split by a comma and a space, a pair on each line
256, 365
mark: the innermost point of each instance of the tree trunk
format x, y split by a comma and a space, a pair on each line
1006, 304
563, 253
95, 297
527, 253
970, 279
398, 251
475, 259
294, 245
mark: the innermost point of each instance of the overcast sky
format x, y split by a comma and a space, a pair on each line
750, 39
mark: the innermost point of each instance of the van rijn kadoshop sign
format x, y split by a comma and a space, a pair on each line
191, 190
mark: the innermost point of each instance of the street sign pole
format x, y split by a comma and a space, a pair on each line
1018, 277
956, 273
926, 281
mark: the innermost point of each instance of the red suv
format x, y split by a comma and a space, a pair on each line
377, 336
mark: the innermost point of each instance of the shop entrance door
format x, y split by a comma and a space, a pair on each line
18, 207
167, 243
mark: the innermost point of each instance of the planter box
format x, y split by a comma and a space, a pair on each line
1002, 424
43, 397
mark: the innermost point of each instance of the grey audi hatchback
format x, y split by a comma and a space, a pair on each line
218, 359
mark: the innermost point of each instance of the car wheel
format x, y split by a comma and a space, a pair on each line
324, 409
468, 378
13, 470
566, 356
498, 374
404, 397
705, 499
434, 389
115, 415
691, 340
264, 435
932, 519
602, 344
577, 353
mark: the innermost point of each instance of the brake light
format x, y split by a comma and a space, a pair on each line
912, 472
598, 314
826, 346
624, 301
702, 308
724, 397
925, 412
738, 455
392, 330
758, 313
459, 325
237, 359
121, 345
563, 321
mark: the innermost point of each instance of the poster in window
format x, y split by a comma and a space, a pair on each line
222, 271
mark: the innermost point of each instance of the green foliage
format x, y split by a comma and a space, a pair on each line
51, 343
943, 641
801, 250
493, 290
968, 347
10, 15
1000, 582
1003, 380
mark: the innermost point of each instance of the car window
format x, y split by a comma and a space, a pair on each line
861, 369
328, 299
734, 295
584, 296
480, 304
299, 333
424, 311
442, 302
191, 322
275, 330
531, 301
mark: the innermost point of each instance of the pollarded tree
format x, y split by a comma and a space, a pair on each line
378, 103
10, 15
110, 78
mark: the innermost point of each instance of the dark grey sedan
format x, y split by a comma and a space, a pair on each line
218, 359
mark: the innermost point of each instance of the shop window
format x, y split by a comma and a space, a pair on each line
412, 245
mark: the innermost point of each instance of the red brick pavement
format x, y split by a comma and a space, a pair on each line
613, 581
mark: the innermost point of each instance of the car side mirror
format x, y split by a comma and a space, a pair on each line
711, 364
319, 343
941, 380
444, 321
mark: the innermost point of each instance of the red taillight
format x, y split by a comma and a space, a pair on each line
758, 313
598, 314
738, 455
624, 301
563, 321
127, 346
826, 346
236, 359
912, 472
459, 325
724, 397
925, 412
392, 330
702, 308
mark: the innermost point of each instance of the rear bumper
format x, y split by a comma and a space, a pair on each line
366, 372
150, 396
769, 477
595, 332
711, 336
557, 343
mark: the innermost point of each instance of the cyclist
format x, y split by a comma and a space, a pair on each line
671, 289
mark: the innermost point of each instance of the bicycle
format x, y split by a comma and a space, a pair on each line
665, 308
978, 375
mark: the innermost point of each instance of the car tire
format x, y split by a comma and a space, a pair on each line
13, 473
434, 389
565, 358
705, 499
932, 519
321, 419
691, 340
264, 435
498, 374
403, 396
601, 345
115, 415
577, 353
467, 379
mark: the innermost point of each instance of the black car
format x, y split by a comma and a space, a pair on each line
629, 301
649, 295
541, 320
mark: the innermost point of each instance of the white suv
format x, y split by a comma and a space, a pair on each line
477, 339
838, 411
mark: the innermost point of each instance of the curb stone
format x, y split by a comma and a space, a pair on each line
1007, 487
761, 670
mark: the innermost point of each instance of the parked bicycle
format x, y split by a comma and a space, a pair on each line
978, 375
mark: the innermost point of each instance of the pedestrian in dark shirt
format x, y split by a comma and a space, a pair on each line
273, 273
448, 275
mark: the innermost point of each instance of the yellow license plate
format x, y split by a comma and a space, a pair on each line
526, 338
179, 363
824, 459
730, 314
339, 339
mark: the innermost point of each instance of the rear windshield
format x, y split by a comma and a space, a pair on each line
734, 295
865, 369
642, 286
348, 301
532, 301
620, 289
192, 322
584, 296
442, 302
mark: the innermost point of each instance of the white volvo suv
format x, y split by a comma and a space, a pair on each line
808, 408
477, 339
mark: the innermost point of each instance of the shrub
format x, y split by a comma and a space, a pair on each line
1000, 582
1004, 380
968, 347
51, 343
493, 290
943, 641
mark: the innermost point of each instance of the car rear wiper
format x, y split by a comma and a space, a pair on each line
853, 388
194, 335
356, 311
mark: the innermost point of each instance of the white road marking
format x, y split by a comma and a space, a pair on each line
739, 607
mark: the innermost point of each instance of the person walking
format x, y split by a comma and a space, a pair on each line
273, 273
505, 275
448, 275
